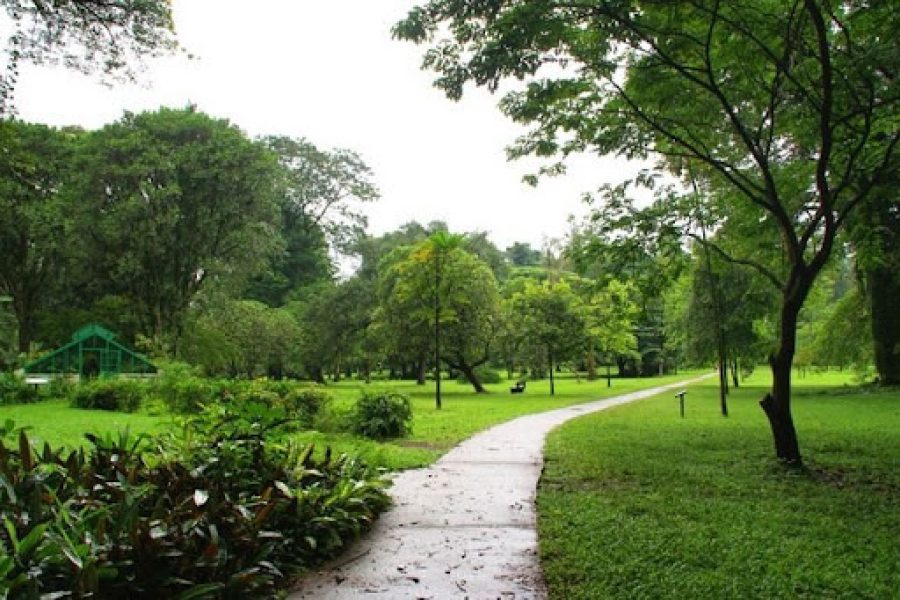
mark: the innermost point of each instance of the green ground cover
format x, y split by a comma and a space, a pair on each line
464, 413
638, 503
57, 422
433, 432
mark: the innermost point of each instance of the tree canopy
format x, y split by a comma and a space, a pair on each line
787, 109
112, 38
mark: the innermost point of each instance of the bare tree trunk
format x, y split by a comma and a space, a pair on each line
777, 403
421, 366
591, 364
550, 361
735, 367
469, 372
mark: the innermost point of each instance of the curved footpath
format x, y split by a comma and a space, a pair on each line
464, 527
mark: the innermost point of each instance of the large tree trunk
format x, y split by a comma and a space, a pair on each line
421, 365
24, 311
24, 335
469, 373
777, 403
883, 286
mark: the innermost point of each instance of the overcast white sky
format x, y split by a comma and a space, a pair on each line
330, 72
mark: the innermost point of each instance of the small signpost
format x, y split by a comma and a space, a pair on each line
680, 395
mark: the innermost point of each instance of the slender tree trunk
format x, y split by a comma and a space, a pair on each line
437, 332
591, 364
735, 366
550, 361
608, 376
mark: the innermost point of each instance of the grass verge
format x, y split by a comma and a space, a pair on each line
464, 413
638, 503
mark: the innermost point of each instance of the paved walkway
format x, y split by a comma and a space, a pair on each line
464, 527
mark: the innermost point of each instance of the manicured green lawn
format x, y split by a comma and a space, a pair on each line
638, 503
58, 423
464, 413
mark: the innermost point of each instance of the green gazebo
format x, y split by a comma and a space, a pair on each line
93, 351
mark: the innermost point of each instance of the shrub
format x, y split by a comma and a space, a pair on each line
123, 395
382, 414
304, 404
219, 511
484, 374
182, 390
14, 390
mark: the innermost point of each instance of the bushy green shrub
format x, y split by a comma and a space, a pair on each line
484, 374
182, 390
382, 414
219, 511
305, 404
300, 401
123, 395
14, 390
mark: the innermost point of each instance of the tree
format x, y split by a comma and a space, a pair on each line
319, 193
876, 235
521, 254
619, 242
610, 320
551, 319
33, 241
791, 107
169, 200
87, 35
440, 288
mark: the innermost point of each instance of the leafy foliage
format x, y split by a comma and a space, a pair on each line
382, 414
14, 390
88, 35
124, 395
484, 374
220, 510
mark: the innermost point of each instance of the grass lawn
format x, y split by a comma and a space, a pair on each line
464, 413
638, 503
434, 432
55, 421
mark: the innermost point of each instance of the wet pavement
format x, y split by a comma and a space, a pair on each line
462, 528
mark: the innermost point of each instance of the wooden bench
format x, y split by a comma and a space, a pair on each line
518, 388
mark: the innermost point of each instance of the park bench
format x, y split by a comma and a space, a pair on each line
518, 388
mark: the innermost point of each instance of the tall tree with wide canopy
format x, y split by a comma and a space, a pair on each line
170, 199
33, 246
440, 288
320, 194
91, 36
791, 105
